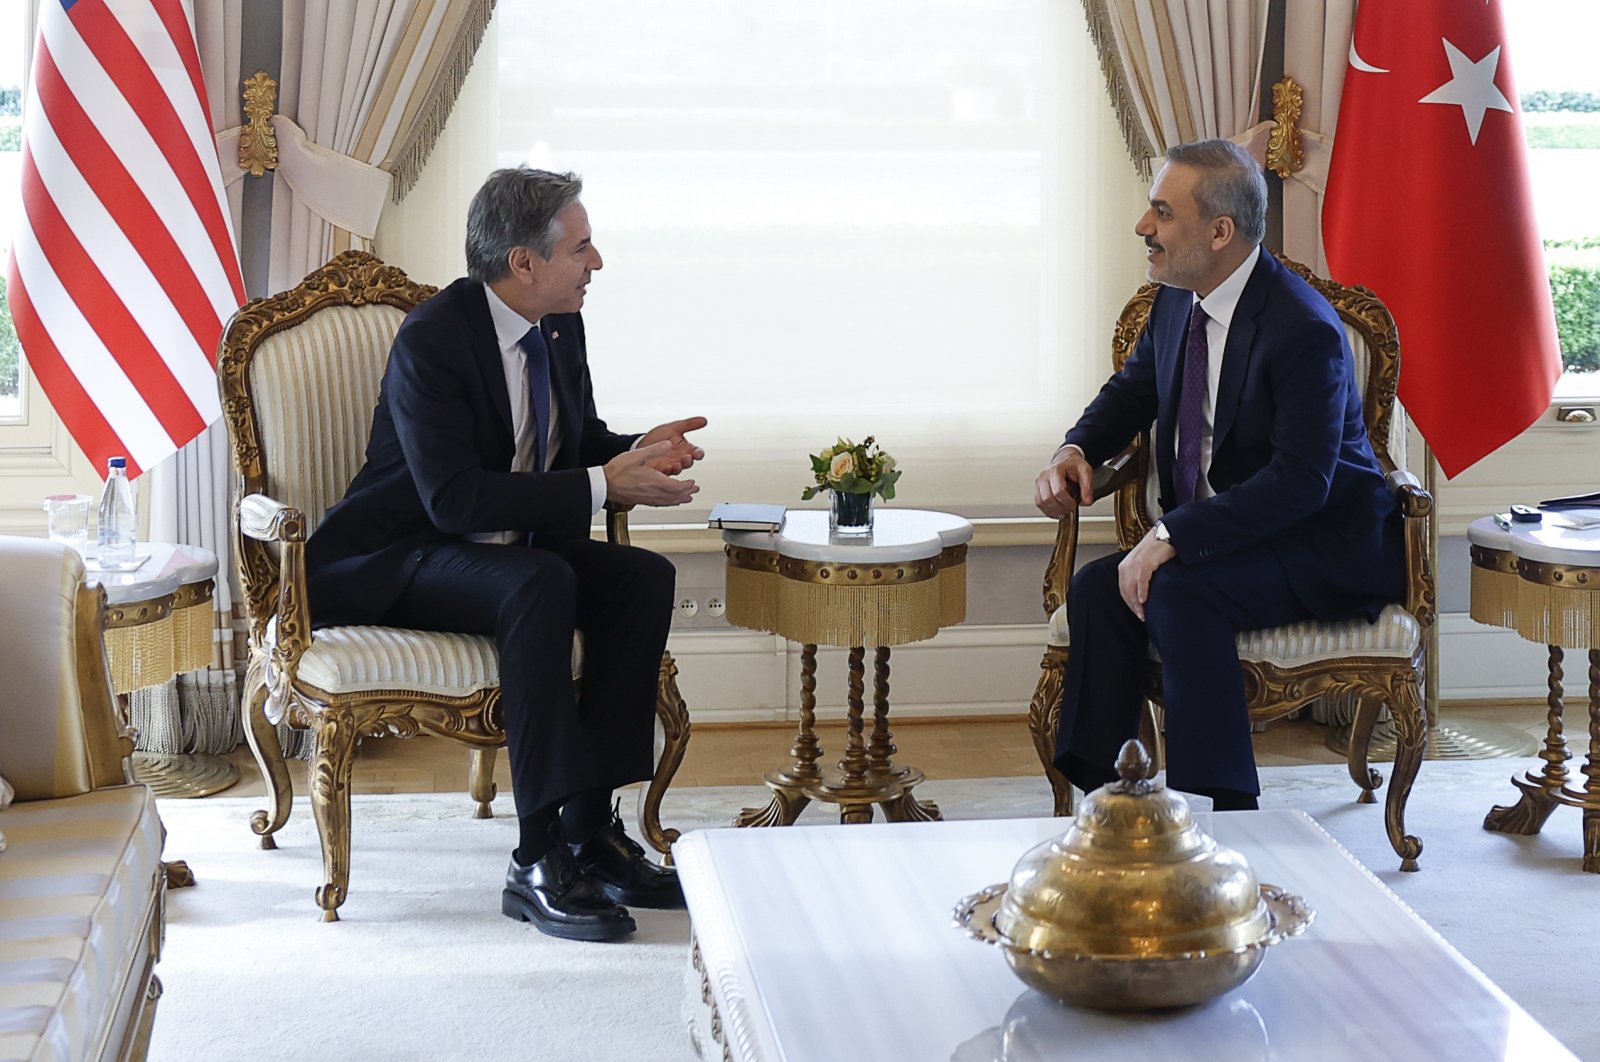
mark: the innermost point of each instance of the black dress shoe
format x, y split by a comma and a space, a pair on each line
560, 901
616, 863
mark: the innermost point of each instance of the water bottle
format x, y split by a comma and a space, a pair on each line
118, 519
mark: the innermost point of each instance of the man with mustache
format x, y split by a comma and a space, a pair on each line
1274, 506
485, 466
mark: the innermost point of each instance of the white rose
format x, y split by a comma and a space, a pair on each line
841, 465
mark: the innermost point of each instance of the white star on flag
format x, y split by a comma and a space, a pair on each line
1471, 87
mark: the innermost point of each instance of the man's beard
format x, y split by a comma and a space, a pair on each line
1185, 269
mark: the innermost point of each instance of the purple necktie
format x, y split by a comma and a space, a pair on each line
1191, 408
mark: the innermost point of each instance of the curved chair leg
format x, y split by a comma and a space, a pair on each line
673, 715
1368, 704
480, 782
330, 800
1412, 738
1044, 713
262, 737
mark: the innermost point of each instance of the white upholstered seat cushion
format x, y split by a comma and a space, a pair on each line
357, 659
1395, 634
75, 889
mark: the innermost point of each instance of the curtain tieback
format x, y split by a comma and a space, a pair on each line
341, 190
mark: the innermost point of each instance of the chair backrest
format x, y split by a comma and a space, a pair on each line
300, 373
1374, 341
59, 732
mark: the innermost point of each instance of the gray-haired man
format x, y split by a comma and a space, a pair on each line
485, 466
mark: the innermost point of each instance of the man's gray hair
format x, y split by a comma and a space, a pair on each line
516, 208
1231, 184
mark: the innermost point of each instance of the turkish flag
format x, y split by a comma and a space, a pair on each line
1429, 204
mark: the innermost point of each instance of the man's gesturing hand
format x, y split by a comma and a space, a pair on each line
1058, 489
682, 452
1136, 569
631, 478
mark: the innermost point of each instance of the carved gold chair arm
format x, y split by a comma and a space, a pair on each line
617, 524
269, 520
1108, 478
1416, 505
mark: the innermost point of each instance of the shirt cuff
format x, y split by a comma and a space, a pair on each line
597, 489
1062, 450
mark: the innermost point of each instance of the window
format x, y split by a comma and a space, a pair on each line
1559, 85
12, 48
904, 218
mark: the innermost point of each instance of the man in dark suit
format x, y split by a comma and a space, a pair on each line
1275, 509
485, 466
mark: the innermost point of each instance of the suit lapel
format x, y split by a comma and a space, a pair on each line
1236, 352
486, 351
1171, 333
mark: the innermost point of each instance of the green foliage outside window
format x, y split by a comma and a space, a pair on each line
10, 349
1546, 100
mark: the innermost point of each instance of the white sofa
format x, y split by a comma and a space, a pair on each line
81, 882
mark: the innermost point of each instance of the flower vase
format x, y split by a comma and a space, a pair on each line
850, 514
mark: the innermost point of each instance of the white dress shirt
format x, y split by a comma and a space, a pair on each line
509, 328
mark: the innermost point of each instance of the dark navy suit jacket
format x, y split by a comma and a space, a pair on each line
438, 463
1291, 464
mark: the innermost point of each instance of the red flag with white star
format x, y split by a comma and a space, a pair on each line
1429, 204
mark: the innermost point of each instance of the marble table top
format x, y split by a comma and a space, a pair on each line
166, 567
1553, 540
897, 535
823, 943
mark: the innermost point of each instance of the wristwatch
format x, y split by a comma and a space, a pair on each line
1161, 532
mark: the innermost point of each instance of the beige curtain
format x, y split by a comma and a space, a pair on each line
1316, 50
365, 90
190, 492
1181, 70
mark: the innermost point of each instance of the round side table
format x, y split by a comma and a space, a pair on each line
1543, 581
900, 584
158, 625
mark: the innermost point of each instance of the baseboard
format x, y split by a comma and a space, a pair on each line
741, 676
976, 670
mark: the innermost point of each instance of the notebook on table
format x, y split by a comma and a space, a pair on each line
746, 516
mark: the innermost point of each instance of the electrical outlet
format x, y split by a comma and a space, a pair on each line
702, 607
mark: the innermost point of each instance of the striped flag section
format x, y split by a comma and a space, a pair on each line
123, 267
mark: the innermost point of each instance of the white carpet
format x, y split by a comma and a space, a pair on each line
424, 966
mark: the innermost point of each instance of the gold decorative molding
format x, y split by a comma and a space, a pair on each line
258, 144
1283, 143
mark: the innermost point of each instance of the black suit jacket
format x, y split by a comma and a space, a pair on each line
439, 457
1291, 464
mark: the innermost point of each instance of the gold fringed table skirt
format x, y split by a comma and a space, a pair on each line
1551, 604
846, 605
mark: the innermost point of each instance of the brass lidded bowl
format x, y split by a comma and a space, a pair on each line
1134, 907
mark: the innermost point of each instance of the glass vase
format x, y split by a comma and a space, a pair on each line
850, 514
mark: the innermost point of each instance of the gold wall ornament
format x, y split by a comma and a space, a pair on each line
1283, 143
258, 144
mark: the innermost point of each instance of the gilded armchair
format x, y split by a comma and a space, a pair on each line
1376, 665
300, 374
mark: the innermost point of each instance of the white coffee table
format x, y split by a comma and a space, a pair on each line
827, 943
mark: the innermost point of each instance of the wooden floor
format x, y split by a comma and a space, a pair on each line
740, 754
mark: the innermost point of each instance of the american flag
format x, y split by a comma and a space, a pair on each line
123, 266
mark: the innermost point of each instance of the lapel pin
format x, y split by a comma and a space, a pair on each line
555, 335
